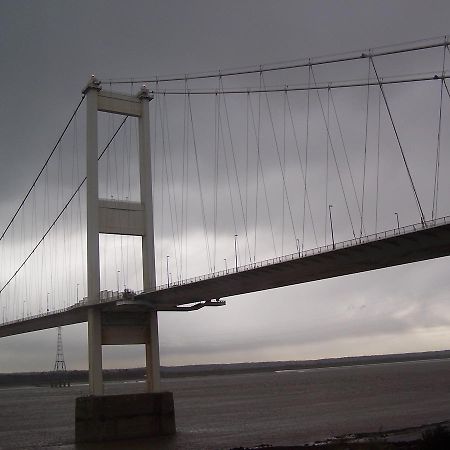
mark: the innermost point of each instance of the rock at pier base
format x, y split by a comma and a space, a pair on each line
116, 417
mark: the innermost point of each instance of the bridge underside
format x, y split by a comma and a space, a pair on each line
426, 243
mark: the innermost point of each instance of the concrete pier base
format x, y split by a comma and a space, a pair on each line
116, 417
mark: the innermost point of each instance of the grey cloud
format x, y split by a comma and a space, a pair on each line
48, 51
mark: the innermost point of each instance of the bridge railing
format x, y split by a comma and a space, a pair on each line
104, 297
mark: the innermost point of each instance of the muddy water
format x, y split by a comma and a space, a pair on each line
221, 412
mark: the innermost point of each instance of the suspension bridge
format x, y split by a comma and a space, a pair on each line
174, 193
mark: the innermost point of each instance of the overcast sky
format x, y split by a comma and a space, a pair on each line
48, 50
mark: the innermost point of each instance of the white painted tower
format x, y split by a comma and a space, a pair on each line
106, 216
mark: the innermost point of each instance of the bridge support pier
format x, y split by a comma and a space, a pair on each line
100, 417
117, 417
152, 355
95, 351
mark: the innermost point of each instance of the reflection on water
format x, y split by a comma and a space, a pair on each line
221, 412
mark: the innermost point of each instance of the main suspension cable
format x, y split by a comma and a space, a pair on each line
358, 55
415, 78
61, 212
42, 168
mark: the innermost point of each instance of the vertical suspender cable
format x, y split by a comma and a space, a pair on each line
284, 169
172, 204
297, 146
169, 147
326, 167
306, 158
341, 134
365, 154
187, 173
183, 194
257, 163
438, 146
246, 168
194, 143
378, 162
235, 166
216, 176
283, 175
419, 206
161, 256
260, 166
334, 156
222, 137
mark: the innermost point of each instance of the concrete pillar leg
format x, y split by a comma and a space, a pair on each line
152, 355
92, 231
95, 352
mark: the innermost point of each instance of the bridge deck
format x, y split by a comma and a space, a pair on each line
392, 248
387, 249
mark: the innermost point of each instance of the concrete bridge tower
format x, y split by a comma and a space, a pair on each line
120, 326
104, 216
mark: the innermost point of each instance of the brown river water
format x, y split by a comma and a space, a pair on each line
222, 412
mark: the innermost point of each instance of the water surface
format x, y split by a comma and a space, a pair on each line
221, 412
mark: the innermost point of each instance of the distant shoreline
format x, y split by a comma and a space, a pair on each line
79, 376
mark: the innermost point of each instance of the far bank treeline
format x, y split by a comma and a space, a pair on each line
81, 376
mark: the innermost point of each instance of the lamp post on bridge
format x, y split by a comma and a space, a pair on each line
398, 222
235, 252
48, 293
226, 267
23, 309
118, 285
167, 270
77, 293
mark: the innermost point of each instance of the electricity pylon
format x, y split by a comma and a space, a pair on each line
59, 377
